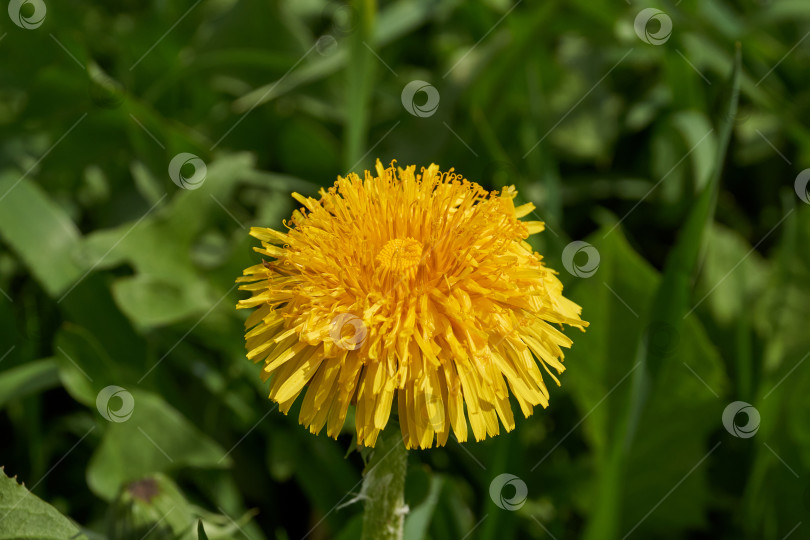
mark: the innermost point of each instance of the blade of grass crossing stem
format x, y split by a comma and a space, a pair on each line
359, 81
662, 331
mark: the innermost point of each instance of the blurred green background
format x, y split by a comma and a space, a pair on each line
112, 274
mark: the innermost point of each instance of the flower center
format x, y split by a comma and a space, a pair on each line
400, 254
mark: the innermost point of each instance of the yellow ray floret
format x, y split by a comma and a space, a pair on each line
406, 288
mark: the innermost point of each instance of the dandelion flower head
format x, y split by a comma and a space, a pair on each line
409, 289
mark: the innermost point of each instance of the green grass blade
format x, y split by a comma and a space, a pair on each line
669, 307
672, 298
359, 83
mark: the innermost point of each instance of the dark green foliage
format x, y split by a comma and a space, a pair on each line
113, 275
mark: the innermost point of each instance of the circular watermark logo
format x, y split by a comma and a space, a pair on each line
326, 45
516, 501
184, 160
429, 107
432, 411
742, 115
342, 18
352, 342
743, 431
801, 185
28, 14
586, 269
648, 18
123, 412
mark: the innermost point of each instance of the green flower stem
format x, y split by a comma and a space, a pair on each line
384, 487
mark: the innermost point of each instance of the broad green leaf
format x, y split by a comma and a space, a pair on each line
28, 378
155, 438
39, 232
23, 515
167, 287
153, 301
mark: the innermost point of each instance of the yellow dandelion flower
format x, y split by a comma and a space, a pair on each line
411, 287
